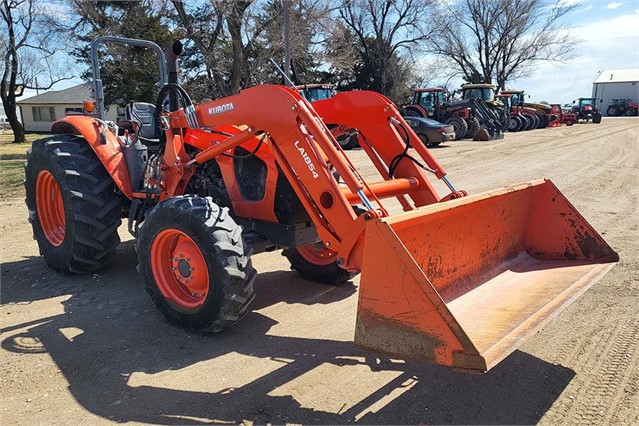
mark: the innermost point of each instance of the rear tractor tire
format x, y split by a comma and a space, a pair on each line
348, 142
459, 125
514, 124
529, 122
317, 263
535, 119
545, 120
73, 209
612, 111
195, 265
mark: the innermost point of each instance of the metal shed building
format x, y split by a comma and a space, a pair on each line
616, 84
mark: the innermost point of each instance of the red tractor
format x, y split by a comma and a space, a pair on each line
521, 118
587, 109
461, 280
622, 107
471, 118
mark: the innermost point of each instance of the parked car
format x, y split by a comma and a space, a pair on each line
431, 132
566, 108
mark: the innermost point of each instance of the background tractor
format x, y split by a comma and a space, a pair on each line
471, 118
517, 119
622, 107
486, 92
316, 92
347, 138
587, 109
520, 118
542, 111
204, 186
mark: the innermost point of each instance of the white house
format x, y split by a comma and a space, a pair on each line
40, 111
616, 84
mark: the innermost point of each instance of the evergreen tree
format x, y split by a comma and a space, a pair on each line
128, 73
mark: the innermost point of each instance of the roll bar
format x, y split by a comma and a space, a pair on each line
98, 91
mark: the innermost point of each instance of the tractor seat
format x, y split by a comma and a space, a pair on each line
144, 115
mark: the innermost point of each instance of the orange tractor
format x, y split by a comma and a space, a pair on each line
461, 280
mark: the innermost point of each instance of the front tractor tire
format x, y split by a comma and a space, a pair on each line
459, 125
195, 265
596, 118
315, 262
473, 127
73, 209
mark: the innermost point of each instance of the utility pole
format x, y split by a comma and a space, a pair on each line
287, 42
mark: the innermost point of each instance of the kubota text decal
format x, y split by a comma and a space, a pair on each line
220, 109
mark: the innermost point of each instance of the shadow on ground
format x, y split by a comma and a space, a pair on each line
121, 333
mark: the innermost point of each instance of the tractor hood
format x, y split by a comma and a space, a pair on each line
539, 107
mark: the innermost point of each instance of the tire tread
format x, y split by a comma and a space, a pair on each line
92, 207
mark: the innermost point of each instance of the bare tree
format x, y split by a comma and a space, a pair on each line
28, 53
386, 30
308, 22
488, 41
207, 26
341, 52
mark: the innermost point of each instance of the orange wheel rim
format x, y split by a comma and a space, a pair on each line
317, 254
50, 208
179, 269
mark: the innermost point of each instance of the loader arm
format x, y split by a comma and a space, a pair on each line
308, 153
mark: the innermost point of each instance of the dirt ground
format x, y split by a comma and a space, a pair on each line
93, 349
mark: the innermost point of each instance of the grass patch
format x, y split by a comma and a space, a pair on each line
12, 158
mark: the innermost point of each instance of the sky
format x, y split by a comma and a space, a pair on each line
609, 34
609, 31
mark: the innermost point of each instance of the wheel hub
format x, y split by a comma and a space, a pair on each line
180, 269
50, 208
317, 254
184, 267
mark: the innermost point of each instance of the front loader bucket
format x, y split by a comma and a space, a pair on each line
485, 134
465, 282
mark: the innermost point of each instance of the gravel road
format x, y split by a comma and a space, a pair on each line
93, 349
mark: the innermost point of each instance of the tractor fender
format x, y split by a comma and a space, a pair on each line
103, 142
414, 111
